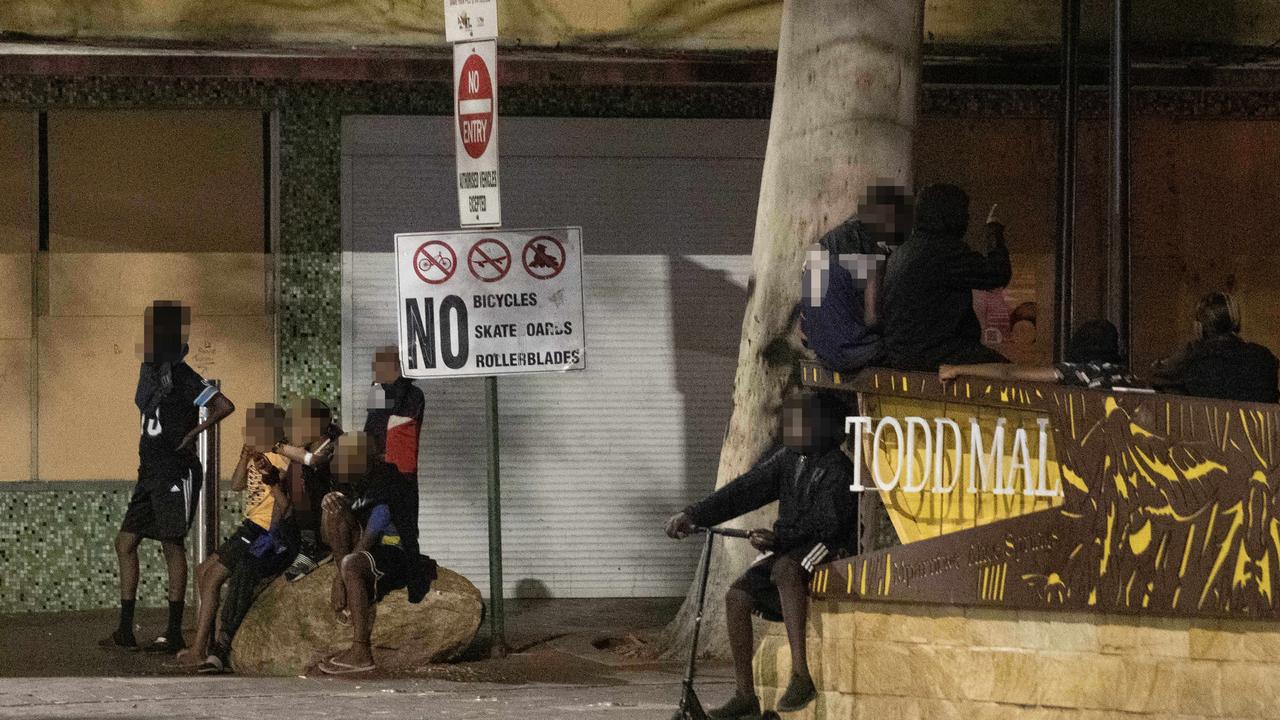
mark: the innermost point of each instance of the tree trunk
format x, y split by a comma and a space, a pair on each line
844, 110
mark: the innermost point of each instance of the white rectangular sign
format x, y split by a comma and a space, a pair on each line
475, 114
490, 302
470, 20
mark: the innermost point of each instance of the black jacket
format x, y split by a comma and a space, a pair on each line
815, 504
1223, 367
927, 307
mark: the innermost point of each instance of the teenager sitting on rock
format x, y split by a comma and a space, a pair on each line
369, 525
809, 477
259, 475
312, 439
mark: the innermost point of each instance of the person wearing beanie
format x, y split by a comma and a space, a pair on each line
927, 310
1093, 360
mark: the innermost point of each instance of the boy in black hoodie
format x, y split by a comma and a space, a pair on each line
809, 477
927, 304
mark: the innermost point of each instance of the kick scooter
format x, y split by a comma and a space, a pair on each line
690, 705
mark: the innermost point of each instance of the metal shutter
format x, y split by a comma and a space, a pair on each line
592, 462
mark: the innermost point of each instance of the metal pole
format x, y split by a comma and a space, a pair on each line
207, 503
1118, 257
497, 617
1064, 316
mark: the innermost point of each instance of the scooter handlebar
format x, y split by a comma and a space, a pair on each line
726, 532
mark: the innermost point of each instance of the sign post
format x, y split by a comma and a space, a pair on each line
497, 613
476, 133
483, 303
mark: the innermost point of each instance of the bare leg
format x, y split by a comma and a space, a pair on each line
358, 578
340, 531
127, 556
210, 575
737, 605
792, 582
175, 558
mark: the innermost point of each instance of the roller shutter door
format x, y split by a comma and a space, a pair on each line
592, 462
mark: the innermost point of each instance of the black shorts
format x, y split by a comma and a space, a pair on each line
391, 568
236, 548
758, 580
162, 508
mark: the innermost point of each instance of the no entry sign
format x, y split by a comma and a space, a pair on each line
516, 308
476, 125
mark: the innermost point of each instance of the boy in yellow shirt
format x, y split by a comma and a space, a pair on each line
259, 474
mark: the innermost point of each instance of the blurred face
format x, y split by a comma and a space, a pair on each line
166, 326
797, 426
351, 459
307, 422
386, 366
263, 427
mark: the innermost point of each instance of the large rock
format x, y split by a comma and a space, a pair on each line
291, 627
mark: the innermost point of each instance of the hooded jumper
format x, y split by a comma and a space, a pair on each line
927, 310
811, 485
834, 327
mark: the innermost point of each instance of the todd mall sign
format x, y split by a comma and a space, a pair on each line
1040, 496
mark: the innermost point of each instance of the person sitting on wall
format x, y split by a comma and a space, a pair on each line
259, 475
169, 396
810, 477
370, 526
1219, 363
1093, 360
312, 438
927, 308
838, 312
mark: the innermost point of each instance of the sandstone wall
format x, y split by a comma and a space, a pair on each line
873, 661
706, 24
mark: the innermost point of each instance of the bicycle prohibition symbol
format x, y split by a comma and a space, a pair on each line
434, 262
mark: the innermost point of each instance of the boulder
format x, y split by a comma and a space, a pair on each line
291, 627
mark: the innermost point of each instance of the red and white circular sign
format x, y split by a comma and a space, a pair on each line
475, 106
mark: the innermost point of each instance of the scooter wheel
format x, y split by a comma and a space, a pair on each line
770, 715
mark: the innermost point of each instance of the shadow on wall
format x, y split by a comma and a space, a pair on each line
706, 311
531, 588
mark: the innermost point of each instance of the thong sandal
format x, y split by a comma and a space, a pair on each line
333, 666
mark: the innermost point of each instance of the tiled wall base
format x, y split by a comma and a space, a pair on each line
57, 552
876, 661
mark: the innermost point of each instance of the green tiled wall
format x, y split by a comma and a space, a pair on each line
57, 552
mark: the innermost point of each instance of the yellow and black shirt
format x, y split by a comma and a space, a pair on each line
264, 471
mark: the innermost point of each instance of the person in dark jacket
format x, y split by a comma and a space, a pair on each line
1220, 364
927, 308
838, 318
809, 477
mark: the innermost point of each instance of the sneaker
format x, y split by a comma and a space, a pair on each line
212, 665
800, 692
301, 566
166, 645
738, 708
120, 640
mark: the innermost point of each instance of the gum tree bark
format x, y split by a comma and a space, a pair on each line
844, 111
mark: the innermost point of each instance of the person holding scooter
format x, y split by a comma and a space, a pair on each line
809, 477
